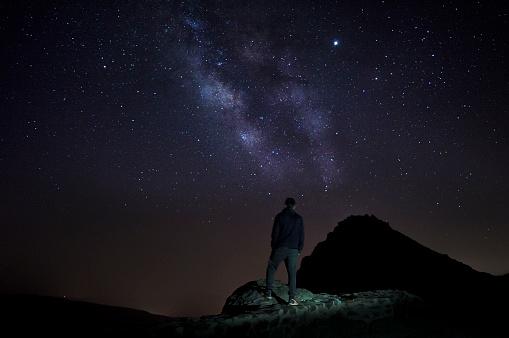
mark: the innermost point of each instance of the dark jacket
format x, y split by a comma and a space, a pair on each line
288, 230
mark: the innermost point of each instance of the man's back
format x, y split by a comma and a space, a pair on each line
287, 242
288, 230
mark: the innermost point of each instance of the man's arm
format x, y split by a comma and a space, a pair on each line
301, 235
275, 232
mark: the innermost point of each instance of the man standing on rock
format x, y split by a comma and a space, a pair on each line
287, 240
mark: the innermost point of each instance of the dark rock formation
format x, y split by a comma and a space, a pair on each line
365, 253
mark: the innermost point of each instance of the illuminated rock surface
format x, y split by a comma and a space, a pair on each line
248, 313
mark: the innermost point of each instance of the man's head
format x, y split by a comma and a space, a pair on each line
290, 203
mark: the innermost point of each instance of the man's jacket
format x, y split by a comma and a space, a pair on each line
288, 230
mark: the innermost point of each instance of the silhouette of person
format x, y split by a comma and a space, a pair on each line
287, 240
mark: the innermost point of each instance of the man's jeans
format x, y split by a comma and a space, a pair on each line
289, 255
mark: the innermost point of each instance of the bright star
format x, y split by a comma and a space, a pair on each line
335, 42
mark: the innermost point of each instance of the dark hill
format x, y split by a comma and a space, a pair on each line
32, 315
365, 253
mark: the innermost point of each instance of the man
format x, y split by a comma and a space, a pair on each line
287, 240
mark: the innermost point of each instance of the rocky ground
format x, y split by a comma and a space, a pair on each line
386, 313
247, 313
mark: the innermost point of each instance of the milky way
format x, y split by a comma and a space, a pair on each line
278, 123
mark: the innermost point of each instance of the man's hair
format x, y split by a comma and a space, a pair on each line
290, 202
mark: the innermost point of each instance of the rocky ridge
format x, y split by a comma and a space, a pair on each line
248, 313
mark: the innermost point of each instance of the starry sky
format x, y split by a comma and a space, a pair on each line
145, 146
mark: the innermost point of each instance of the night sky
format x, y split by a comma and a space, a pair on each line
145, 147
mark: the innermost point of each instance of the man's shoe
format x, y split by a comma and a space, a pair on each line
293, 302
268, 294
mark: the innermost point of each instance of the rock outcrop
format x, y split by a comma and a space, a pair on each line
365, 253
247, 313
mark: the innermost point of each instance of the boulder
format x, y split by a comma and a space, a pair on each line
248, 313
